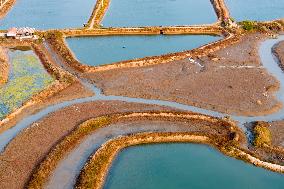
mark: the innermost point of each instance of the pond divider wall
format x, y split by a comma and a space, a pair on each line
5, 7
98, 13
221, 9
96, 170
56, 40
102, 6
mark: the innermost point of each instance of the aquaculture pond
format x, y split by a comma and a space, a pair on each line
48, 14
195, 166
103, 50
27, 77
159, 12
259, 10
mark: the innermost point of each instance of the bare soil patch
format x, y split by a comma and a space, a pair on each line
277, 132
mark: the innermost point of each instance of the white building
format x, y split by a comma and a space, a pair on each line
21, 33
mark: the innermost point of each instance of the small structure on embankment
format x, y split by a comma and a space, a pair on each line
21, 33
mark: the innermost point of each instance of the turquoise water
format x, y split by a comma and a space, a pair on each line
27, 77
159, 12
186, 166
259, 10
48, 14
103, 50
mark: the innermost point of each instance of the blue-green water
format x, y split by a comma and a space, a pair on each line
27, 77
46, 14
186, 166
159, 12
103, 50
259, 10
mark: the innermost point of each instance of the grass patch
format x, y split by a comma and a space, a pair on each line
249, 26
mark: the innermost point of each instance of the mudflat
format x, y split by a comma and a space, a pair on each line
231, 80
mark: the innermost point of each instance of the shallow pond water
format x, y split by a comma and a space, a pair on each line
182, 166
27, 77
159, 12
48, 14
259, 10
108, 49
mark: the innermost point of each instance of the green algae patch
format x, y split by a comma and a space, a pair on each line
27, 77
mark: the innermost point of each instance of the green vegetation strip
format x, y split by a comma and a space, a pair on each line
253, 26
56, 40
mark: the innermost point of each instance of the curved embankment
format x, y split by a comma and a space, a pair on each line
4, 66
30, 146
95, 171
90, 135
231, 80
221, 9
